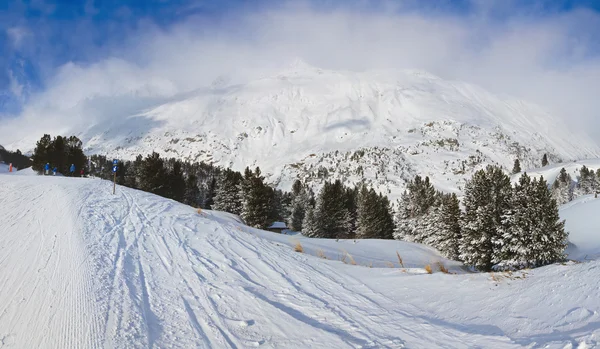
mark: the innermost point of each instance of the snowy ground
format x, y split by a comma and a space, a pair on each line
82, 268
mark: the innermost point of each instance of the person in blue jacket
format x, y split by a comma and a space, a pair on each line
47, 168
54, 170
72, 170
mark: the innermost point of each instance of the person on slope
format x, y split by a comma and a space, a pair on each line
72, 170
47, 168
54, 170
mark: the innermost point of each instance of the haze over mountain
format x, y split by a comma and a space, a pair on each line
314, 124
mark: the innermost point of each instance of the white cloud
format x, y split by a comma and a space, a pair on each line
547, 60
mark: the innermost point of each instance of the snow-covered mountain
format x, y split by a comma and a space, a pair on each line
309, 123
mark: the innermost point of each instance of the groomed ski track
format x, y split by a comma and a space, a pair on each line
82, 268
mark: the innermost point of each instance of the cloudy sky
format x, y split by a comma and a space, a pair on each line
68, 62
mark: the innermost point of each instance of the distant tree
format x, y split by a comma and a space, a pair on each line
587, 182
562, 188
545, 160
516, 167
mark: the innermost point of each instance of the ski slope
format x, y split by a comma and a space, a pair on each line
82, 268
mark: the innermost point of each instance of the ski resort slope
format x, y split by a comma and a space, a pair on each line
82, 268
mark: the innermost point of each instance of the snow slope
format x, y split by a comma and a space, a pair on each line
80, 267
380, 126
583, 227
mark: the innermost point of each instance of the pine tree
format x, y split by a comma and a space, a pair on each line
449, 227
330, 214
310, 226
587, 182
227, 194
152, 175
514, 244
415, 203
486, 201
367, 224
191, 195
562, 188
299, 205
516, 167
257, 200
41, 154
550, 238
175, 187
545, 160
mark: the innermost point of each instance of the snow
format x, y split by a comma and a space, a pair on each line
278, 225
583, 227
80, 267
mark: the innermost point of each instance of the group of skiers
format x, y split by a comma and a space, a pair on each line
55, 170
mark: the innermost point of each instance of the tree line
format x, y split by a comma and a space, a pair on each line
16, 158
500, 226
60, 152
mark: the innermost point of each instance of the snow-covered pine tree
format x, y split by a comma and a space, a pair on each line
299, 205
513, 245
257, 199
486, 201
449, 228
330, 213
562, 188
227, 194
549, 239
587, 182
310, 226
516, 166
414, 203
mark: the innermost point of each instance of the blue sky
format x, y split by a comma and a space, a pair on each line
55, 48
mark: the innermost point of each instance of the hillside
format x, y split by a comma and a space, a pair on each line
379, 126
84, 268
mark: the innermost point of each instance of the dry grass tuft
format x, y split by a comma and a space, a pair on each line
321, 254
442, 268
428, 269
199, 210
389, 264
347, 258
298, 247
400, 259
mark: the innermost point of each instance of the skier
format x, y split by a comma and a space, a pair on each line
81, 172
54, 170
72, 170
47, 168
